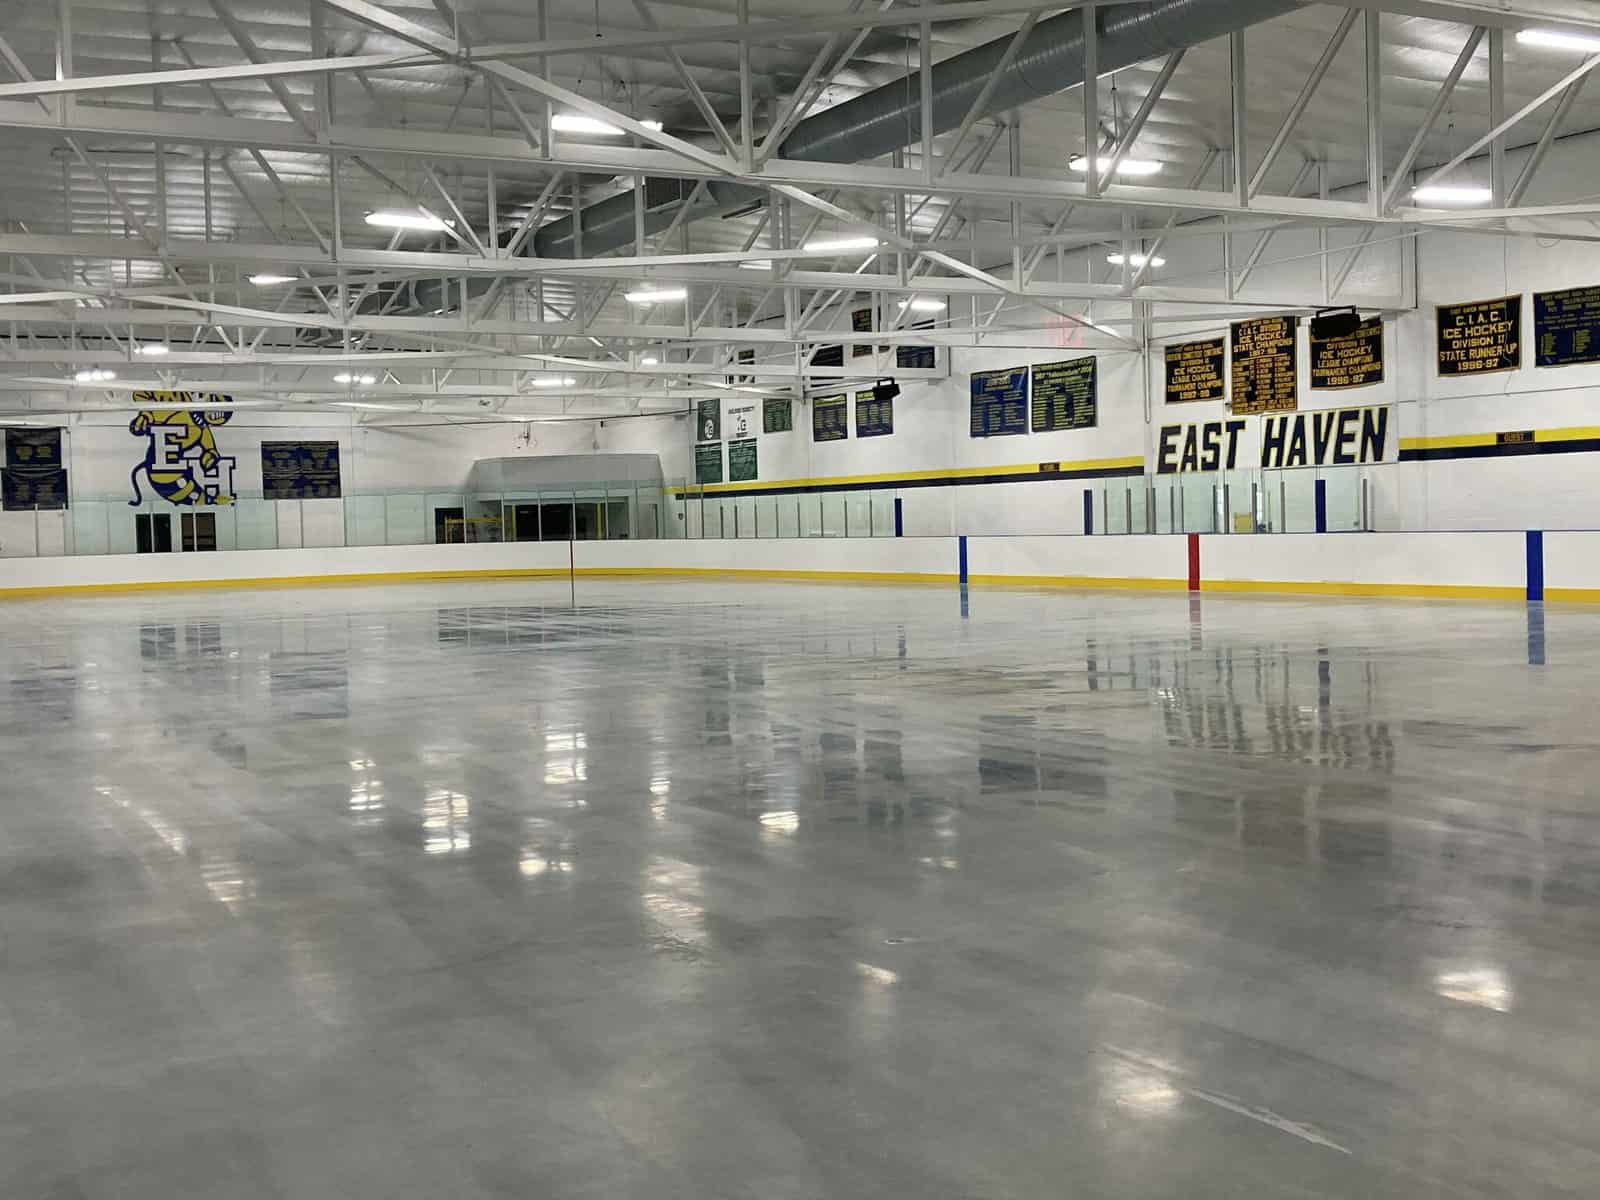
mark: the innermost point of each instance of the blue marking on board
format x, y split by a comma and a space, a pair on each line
1088, 511
899, 517
1322, 505
961, 552
1535, 565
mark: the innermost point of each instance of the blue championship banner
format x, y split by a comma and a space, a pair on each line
34, 475
1566, 327
830, 419
1000, 402
300, 470
874, 417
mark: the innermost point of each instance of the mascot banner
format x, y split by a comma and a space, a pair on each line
182, 464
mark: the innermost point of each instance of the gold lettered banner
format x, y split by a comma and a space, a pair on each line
1264, 376
1566, 327
1348, 362
1481, 337
1195, 371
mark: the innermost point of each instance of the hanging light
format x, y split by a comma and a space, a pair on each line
267, 279
417, 219
1136, 260
649, 360
1128, 166
362, 380
94, 375
552, 381
834, 245
578, 123
1556, 40
153, 349
1453, 194
924, 304
656, 295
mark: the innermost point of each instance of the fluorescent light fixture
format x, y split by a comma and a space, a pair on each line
578, 123
1128, 166
757, 264
96, 375
923, 304
553, 381
393, 219
1136, 260
363, 380
270, 280
831, 245
153, 349
1557, 40
656, 295
1452, 194
649, 360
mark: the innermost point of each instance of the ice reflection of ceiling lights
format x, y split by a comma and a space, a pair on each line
1140, 1090
880, 976
564, 758
1484, 987
445, 816
784, 821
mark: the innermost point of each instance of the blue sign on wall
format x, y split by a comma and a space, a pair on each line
34, 475
1000, 402
300, 470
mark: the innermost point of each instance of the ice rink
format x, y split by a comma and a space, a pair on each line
654, 890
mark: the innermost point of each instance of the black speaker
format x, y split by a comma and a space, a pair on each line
1335, 323
885, 389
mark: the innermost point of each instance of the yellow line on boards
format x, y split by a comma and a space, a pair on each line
1448, 442
752, 573
1424, 591
1572, 595
171, 585
1110, 583
1025, 470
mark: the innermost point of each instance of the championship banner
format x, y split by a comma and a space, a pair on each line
300, 470
1566, 327
1065, 395
1264, 373
830, 419
708, 463
1348, 362
708, 420
1481, 337
1195, 371
742, 461
777, 414
874, 417
999, 402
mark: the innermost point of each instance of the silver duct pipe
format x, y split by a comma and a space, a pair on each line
884, 120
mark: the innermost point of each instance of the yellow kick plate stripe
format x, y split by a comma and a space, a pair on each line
1080, 581
1030, 470
1575, 433
1437, 591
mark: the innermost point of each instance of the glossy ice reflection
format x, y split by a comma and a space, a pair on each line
679, 890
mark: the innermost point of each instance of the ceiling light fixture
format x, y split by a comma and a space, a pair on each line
270, 280
1128, 166
577, 123
394, 219
553, 381
153, 349
924, 304
1136, 260
363, 380
832, 245
1452, 194
1556, 40
96, 375
757, 264
656, 295
649, 360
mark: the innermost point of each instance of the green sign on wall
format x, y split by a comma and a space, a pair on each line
777, 414
742, 461
708, 463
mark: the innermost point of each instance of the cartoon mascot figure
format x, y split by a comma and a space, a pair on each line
181, 463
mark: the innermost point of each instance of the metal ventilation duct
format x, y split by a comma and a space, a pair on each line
884, 120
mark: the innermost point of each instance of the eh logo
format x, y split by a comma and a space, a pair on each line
181, 462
